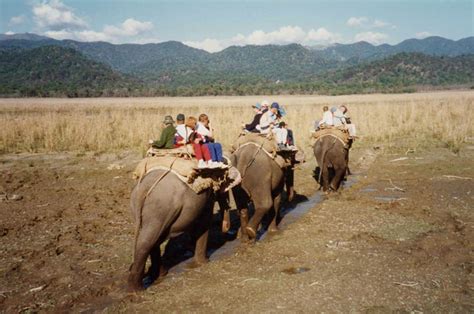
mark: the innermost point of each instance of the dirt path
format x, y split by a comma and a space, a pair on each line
399, 239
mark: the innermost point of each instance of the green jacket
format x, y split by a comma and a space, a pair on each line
167, 138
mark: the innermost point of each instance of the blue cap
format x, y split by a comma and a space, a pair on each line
275, 105
257, 106
333, 109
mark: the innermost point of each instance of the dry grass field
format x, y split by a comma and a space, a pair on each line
396, 239
116, 124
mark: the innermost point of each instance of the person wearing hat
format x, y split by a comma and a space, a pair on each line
327, 120
182, 133
167, 135
268, 118
338, 117
252, 126
351, 128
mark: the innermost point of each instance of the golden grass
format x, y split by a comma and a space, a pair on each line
113, 124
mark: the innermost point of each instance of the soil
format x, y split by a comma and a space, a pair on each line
398, 237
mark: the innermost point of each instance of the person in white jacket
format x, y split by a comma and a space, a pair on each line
327, 119
269, 118
338, 117
351, 128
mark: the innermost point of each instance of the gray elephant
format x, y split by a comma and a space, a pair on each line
164, 206
263, 181
332, 156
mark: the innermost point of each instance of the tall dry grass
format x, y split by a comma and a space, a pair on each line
101, 125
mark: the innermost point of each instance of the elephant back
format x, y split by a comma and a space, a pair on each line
340, 134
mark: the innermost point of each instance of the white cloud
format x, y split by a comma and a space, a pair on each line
9, 33
371, 37
283, 35
381, 24
88, 35
16, 20
421, 35
56, 20
368, 23
112, 34
357, 21
130, 27
208, 44
56, 16
323, 35
59, 35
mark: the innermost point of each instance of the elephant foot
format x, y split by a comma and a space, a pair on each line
251, 232
197, 263
291, 195
163, 271
134, 285
273, 229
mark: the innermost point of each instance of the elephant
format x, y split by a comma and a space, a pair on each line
330, 152
163, 207
263, 181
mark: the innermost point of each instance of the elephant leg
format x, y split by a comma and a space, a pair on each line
201, 235
244, 220
241, 200
147, 239
339, 175
155, 255
223, 200
289, 182
348, 171
200, 254
262, 204
276, 207
325, 177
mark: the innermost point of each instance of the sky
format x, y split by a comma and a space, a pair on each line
215, 25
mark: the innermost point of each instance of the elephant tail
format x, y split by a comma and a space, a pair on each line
322, 167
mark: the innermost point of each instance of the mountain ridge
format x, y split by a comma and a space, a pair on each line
173, 68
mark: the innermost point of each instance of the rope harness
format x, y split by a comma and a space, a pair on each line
253, 157
140, 209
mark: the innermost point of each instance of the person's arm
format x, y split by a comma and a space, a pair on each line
253, 125
163, 139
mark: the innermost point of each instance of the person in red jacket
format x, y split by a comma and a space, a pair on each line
201, 151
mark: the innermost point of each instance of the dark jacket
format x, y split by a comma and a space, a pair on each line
252, 127
167, 138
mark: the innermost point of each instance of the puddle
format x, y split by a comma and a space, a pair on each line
290, 213
295, 270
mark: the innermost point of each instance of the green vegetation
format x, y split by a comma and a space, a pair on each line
53, 71
49, 68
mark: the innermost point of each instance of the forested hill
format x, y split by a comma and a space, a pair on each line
57, 71
33, 65
400, 72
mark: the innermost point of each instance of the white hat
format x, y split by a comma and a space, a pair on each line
265, 103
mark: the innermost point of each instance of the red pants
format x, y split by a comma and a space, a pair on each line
202, 152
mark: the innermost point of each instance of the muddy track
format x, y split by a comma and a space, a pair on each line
399, 239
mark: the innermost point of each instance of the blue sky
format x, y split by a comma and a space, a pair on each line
214, 25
